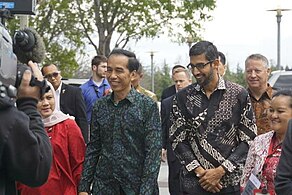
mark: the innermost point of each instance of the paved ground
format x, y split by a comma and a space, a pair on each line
162, 179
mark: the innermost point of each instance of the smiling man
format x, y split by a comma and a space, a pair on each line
257, 72
123, 155
211, 124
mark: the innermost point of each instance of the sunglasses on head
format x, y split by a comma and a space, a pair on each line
54, 74
199, 65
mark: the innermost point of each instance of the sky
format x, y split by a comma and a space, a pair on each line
238, 29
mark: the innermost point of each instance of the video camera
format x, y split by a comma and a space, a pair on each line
15, 52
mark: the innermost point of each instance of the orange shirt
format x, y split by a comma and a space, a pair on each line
261, 110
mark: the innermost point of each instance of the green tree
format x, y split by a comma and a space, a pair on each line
70, 27
236, 77
56, 22
162, 80
134, 19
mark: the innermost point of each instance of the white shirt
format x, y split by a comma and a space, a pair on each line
57, 93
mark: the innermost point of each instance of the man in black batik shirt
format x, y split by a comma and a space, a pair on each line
212, 123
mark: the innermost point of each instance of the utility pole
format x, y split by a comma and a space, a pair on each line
190, 41
152, 69
23, 21
279, 16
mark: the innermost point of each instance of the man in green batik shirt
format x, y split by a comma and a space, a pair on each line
123, 155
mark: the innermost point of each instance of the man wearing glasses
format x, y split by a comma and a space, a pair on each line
211, 124
69, 98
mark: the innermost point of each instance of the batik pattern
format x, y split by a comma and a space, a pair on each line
125, 146
201, 137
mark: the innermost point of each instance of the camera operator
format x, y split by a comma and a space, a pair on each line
25, 150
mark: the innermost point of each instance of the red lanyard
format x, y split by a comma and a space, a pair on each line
273, 148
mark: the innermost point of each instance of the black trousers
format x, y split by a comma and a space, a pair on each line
232, 190
174, 177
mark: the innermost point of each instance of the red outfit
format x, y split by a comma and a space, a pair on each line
270, 165
68, 156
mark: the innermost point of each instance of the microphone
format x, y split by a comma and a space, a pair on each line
28, 45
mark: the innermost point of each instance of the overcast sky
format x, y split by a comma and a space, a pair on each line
238, 29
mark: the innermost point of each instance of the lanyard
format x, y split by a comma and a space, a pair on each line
273, 152
273, 148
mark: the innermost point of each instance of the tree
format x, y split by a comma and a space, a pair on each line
55, 22
236, 77
52, 21
71, 27
133, 19
162, 80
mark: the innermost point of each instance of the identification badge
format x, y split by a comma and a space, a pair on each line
260, 192
252, 184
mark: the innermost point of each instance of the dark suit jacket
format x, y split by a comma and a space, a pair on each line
283, 180
166, 106
174, 165
72, 103
169, 91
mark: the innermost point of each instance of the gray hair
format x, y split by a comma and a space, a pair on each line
258, 57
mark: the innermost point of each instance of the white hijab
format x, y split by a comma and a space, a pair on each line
56, 116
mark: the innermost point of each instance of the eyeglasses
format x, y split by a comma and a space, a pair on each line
199, 65
54, 74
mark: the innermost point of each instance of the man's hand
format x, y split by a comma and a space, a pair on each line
200, 172
163, 155
25, 90
83, 193
210, 181
36, 71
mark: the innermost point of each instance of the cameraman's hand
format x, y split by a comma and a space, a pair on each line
36, 71
25, 90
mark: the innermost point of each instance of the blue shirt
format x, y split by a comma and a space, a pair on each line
91, 92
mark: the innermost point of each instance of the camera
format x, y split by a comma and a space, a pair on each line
8, 60
15, 53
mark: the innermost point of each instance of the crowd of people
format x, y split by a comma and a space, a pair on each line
107, 137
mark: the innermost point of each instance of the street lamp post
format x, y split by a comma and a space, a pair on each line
190, 41
152, 69
279, 16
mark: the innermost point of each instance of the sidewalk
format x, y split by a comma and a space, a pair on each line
162, 179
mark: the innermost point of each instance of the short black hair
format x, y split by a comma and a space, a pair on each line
204, 47
133, 63
284, 92
140, 69
96, 60
222, 58
49, 64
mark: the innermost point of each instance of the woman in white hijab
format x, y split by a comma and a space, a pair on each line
68, 150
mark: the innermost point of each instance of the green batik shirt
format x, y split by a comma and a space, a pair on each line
124, 151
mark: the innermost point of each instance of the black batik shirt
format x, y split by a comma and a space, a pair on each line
214, 131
